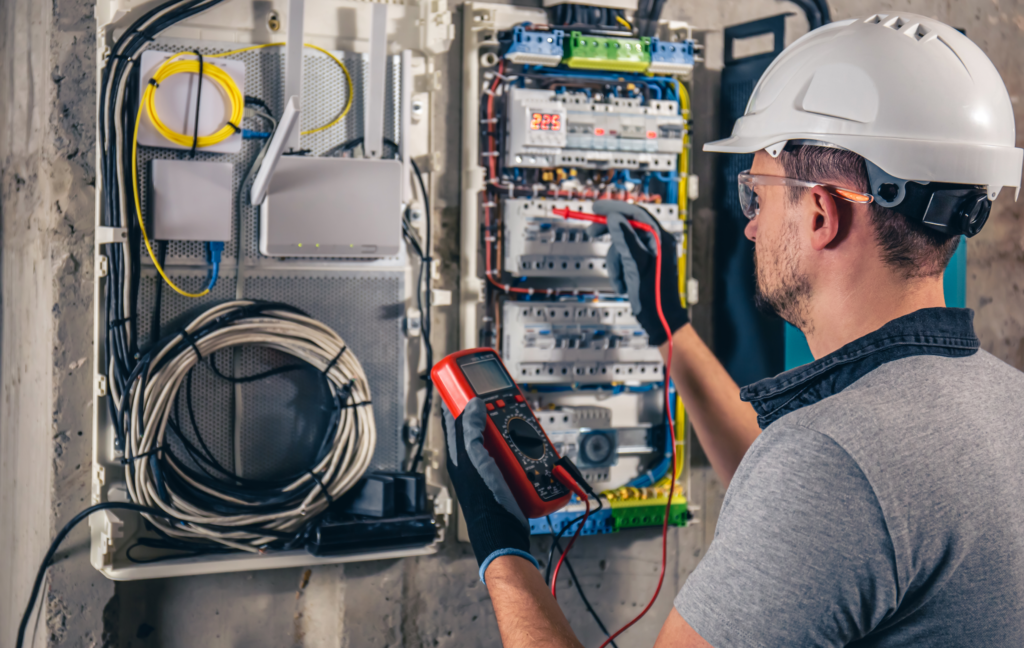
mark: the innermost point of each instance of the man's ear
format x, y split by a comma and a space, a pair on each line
826, 223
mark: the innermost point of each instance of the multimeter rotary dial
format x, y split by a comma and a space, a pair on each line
525, 438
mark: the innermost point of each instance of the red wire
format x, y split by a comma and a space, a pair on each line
554, 577
566, 213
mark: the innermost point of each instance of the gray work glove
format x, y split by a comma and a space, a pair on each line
632, 266
496, 525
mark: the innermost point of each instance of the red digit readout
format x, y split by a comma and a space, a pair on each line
545, 121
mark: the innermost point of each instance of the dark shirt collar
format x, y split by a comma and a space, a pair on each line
945, 332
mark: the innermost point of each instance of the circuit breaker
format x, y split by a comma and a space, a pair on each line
596, 342
538, 243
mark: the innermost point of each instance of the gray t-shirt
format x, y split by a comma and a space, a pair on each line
888, 513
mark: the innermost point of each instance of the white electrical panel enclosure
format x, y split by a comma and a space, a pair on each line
564, 115
325, 246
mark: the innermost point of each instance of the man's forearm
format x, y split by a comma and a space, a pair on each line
528, 616
725, 425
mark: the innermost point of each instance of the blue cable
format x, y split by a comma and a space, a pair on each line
216, 248
251, 134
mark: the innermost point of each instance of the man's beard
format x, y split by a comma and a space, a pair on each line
788, 297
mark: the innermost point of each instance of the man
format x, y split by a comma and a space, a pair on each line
874, 493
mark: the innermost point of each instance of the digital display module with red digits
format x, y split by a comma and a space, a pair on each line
513, 435
545, 121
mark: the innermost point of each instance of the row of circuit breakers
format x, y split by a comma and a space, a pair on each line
571, 342
569, 129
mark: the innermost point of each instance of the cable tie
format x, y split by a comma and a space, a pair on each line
493, 120
490, 239
335, 359
142, 455
192, 342
490, 204
503, 77
235, 126
529, 291
488, 91
119, 322
153, 82
490, 154
323, 489
199, 96
365, 402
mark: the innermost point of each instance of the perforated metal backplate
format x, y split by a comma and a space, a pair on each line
283, 417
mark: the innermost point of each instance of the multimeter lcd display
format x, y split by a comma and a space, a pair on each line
486, 376
545, 121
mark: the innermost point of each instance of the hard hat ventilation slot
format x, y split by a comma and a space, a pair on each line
920, 32
876, 19
896, 23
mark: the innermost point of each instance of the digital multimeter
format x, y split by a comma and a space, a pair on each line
513, 435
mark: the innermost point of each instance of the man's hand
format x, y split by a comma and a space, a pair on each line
496, 525
632, 266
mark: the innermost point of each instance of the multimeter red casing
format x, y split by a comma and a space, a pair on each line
513, 436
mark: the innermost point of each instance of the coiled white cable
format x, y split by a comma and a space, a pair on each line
150, 402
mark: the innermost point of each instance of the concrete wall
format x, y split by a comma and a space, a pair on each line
47, 125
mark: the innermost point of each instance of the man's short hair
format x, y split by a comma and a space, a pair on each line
908, 246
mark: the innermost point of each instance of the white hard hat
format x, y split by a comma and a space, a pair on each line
912, 95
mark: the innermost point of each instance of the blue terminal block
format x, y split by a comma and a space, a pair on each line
598, 523
671, 58
535, 47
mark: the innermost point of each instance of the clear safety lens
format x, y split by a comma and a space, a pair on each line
748, 197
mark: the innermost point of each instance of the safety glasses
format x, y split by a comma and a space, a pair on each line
751, 206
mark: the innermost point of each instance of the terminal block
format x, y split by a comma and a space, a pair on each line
540, 244
598, 523
671, 58
589, 52
632, 513
535, 47
577, 342
615, 516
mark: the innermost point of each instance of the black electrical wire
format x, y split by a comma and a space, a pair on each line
576, 582
424, 306
41, 574
256, 101
154, 327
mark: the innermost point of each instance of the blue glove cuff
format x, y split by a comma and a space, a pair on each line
505, 552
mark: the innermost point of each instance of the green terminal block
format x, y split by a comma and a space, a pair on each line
606, 53
645, 513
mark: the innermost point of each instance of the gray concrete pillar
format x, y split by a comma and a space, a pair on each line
47, 179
